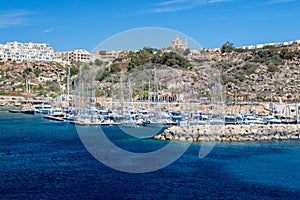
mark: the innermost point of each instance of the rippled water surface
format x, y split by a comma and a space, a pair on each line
42, 159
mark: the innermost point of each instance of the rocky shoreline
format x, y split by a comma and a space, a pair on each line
231, 133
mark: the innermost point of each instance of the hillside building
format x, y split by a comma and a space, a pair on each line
78, 55
16, 51
178, 44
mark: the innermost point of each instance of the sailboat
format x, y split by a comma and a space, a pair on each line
28, 109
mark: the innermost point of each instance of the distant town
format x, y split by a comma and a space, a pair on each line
21, 52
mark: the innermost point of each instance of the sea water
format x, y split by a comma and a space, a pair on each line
42, 159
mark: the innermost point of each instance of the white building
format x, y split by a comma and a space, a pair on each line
16, 51
259, 46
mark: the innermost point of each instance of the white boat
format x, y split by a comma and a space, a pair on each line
250, 119
44, 108
56, 112
272, 120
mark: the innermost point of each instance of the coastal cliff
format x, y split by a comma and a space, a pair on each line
231, 133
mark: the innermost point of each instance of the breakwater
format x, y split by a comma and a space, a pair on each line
231, 133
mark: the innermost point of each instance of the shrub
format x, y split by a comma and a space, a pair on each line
249, 68
74, 71
115, 68
37, 72
273, 68
102, 52
98, 62
240, 76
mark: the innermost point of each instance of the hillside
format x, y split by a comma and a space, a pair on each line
271, 73
268, 74
45, 79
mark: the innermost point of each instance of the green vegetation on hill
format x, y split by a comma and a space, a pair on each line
152, 56
130, 60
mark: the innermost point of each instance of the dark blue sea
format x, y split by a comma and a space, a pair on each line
42, 159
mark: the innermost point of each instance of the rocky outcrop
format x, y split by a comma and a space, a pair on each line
231, 133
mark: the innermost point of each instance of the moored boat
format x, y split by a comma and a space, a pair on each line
28, 110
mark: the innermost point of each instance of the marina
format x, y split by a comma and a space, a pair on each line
166, 114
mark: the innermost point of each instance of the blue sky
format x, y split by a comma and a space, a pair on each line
72, 24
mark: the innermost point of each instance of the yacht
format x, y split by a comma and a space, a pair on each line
271, 119
250, 119
56, 112
44, 108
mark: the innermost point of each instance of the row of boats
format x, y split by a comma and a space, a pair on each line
143, 117
264, 120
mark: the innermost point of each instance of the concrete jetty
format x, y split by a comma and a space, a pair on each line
231, 133
61, 119
79, 123
14, 111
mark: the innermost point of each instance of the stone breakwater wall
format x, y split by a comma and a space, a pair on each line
231, 133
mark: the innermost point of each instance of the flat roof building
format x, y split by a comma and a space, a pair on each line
16, 51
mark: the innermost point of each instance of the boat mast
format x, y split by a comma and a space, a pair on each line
122, 95
68, 86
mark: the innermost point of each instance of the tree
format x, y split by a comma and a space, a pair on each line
37, 72
102, 52
227, 47
27, 72
98, 62
74, 71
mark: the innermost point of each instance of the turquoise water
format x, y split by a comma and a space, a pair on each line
42, 159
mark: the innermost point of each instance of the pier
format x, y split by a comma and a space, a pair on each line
79, 123
61, 119
231, 133
15, 111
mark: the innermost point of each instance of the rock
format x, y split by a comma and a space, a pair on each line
189, 139
182, 139
176, 137
157, 137
169, 137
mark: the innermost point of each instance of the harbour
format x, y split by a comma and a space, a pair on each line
47, 159
105, 100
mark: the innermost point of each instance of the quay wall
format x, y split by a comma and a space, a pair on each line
231, 133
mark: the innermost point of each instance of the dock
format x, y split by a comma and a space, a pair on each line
54, 118
170, 123
94, 123
15, 111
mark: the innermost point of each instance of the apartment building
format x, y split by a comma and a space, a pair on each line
16, 51
80, 55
